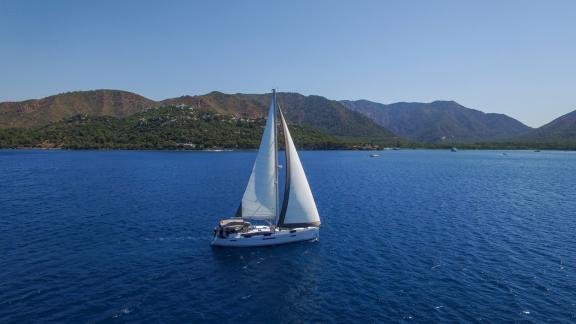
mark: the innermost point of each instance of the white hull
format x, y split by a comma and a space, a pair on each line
255, 237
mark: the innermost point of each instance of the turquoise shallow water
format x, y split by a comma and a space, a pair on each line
416, 236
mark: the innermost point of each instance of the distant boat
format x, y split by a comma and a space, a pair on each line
454, 149
296, 220
374, 155
537, 151
395, 148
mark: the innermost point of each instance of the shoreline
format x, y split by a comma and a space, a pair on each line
255, 150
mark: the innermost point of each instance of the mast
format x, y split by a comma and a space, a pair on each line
275, 159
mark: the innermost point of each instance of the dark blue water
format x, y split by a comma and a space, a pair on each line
411, 236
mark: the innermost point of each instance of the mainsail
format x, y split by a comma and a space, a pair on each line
260, 198
298, 207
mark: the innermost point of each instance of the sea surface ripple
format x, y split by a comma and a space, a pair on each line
412, 236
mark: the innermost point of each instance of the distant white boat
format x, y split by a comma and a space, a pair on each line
453, 149
260, 220
374, 155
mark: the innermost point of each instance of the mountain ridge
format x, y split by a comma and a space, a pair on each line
105, 102
440, 121
327, 116
561, 130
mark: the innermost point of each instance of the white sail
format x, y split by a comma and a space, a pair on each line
259, 200
299, 208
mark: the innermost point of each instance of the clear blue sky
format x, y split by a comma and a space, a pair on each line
513, 57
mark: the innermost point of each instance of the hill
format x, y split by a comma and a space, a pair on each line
37, 112
439, 121
326, 116
561, 130
239, 105
167, 127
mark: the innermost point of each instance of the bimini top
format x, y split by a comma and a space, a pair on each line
233, 222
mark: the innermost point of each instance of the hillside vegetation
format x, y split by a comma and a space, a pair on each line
167, 127
120, 119
328, 118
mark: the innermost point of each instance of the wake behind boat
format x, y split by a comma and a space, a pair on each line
296, 220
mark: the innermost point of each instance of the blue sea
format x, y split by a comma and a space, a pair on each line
412, 236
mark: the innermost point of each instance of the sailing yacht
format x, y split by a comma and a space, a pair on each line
260, 219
